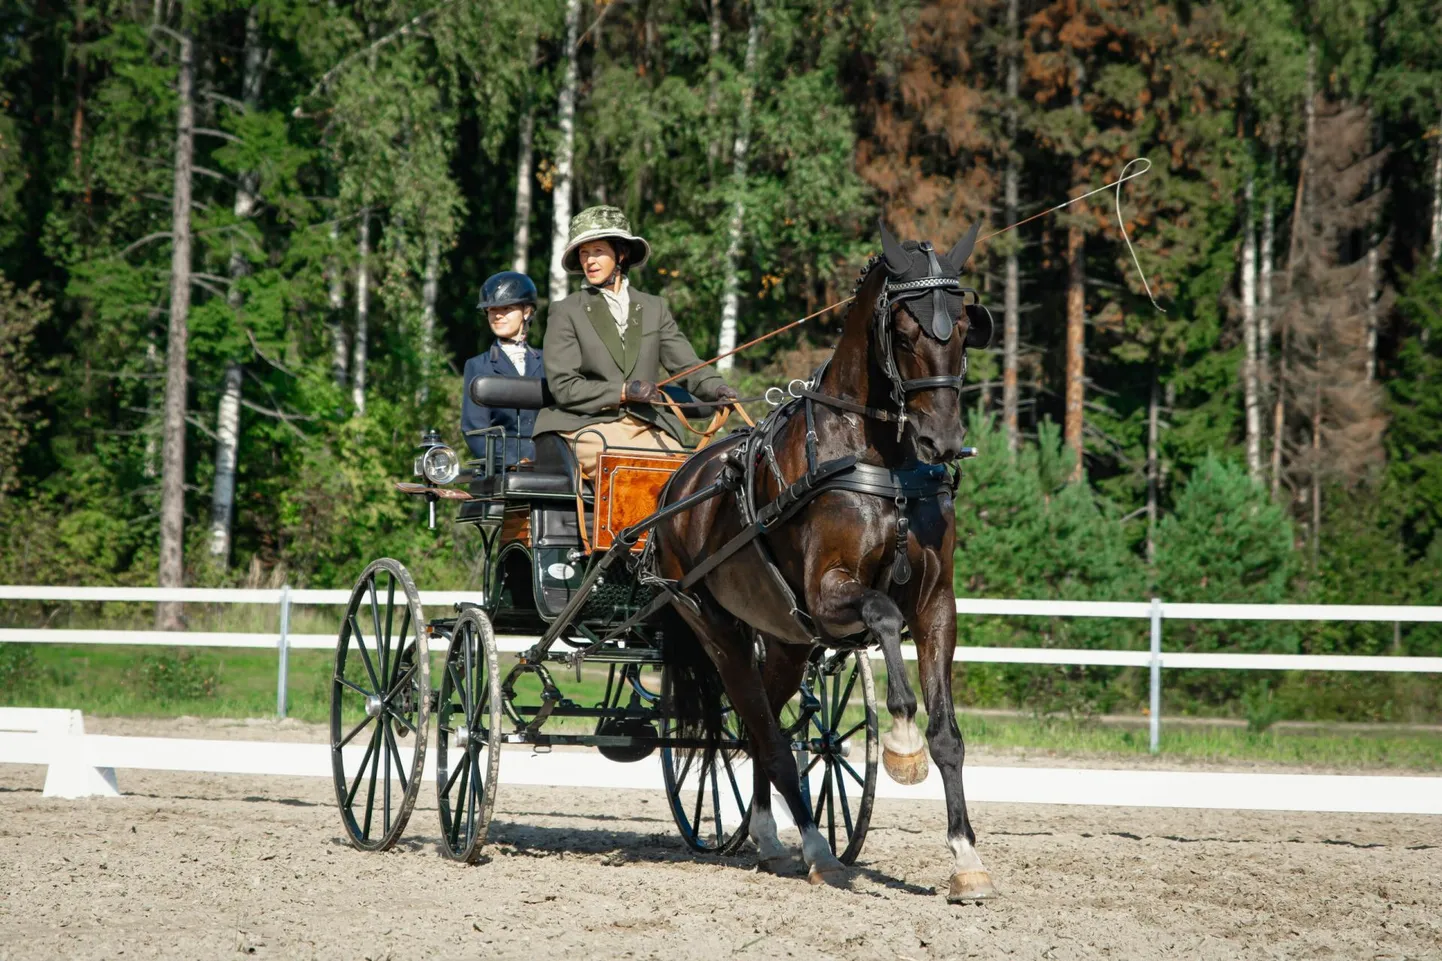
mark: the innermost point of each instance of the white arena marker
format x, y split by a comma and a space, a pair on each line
56, 738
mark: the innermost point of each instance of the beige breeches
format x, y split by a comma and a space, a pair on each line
629, 431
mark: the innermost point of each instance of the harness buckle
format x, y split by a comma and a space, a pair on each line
900, 423
794, 390
780, 396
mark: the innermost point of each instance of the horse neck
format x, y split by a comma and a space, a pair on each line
853, 374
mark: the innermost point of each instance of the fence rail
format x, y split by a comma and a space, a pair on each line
1156, 612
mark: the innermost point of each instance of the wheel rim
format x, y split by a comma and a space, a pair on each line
468, 733
709, 788
380, 693
838, 781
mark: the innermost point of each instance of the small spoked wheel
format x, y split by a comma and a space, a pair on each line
837, 748
468, 736
709, 786
379, 706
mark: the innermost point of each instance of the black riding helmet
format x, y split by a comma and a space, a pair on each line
507, 288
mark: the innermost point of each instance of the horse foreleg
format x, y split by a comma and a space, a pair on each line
784, 667
843, 603
935, 634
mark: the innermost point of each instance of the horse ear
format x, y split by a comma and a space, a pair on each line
897, 259
962, 251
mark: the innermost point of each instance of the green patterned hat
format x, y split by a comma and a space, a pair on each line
603, 223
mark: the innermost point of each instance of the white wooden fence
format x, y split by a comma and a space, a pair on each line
1156, 612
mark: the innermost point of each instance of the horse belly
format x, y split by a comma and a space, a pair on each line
751, 595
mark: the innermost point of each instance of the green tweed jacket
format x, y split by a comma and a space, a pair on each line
587, 362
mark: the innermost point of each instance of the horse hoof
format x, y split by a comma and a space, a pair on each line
837, 877
905, 768
971, 886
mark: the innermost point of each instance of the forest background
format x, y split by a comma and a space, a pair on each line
241, 244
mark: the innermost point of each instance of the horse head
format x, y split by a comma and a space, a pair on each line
921, 330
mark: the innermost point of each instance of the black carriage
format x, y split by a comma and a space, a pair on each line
564, 566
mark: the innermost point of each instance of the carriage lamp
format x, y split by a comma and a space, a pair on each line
440, 465
436, 462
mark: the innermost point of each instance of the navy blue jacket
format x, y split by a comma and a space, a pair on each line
518, 423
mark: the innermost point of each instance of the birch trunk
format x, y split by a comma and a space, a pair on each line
731, 282
1153, 436
1264, 293
566, 123
521, 238
362, 314
1251, 380
1011, 325
340, 353
227, 419
713, 83
429, 287
172, 482
227, 440
1437, 201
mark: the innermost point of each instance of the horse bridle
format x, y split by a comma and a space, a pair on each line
941, 327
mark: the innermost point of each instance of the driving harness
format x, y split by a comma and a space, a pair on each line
935, 297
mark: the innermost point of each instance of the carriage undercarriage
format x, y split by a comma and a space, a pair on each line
395, 669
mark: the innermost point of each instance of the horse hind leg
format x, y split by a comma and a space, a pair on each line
782, 670
729, 645
903, 748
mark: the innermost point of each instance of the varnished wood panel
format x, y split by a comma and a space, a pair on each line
517, 525
627, 486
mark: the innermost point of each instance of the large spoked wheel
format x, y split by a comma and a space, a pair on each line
380, 698
838, 747
468, 737
709, 787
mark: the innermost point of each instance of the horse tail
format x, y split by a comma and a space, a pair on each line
693, 692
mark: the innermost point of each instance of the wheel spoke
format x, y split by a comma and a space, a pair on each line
845, 698
354, 731
852, 771
826, 788
840, 783
381, 651
405, 678
386, 793
852, 730
811, 764
450, 782
371, 791
392, 648
716, 799
477, 785
700, 796
361, 771
453, 830
354, 687
365, 655
735, 787
395, 752
685, 768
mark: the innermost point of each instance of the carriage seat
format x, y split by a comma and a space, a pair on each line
554, 473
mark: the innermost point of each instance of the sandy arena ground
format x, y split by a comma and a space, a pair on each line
208, 866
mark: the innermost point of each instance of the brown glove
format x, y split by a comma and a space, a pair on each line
640, 392
726, 393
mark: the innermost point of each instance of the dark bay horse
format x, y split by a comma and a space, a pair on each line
855, 563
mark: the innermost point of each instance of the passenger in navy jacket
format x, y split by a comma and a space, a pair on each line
509, 300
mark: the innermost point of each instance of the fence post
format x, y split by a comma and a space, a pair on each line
280, 684
1156, 706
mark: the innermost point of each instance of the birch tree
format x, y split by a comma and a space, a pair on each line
1251, 378
362, 313
565, 151
227, 421
731, 282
